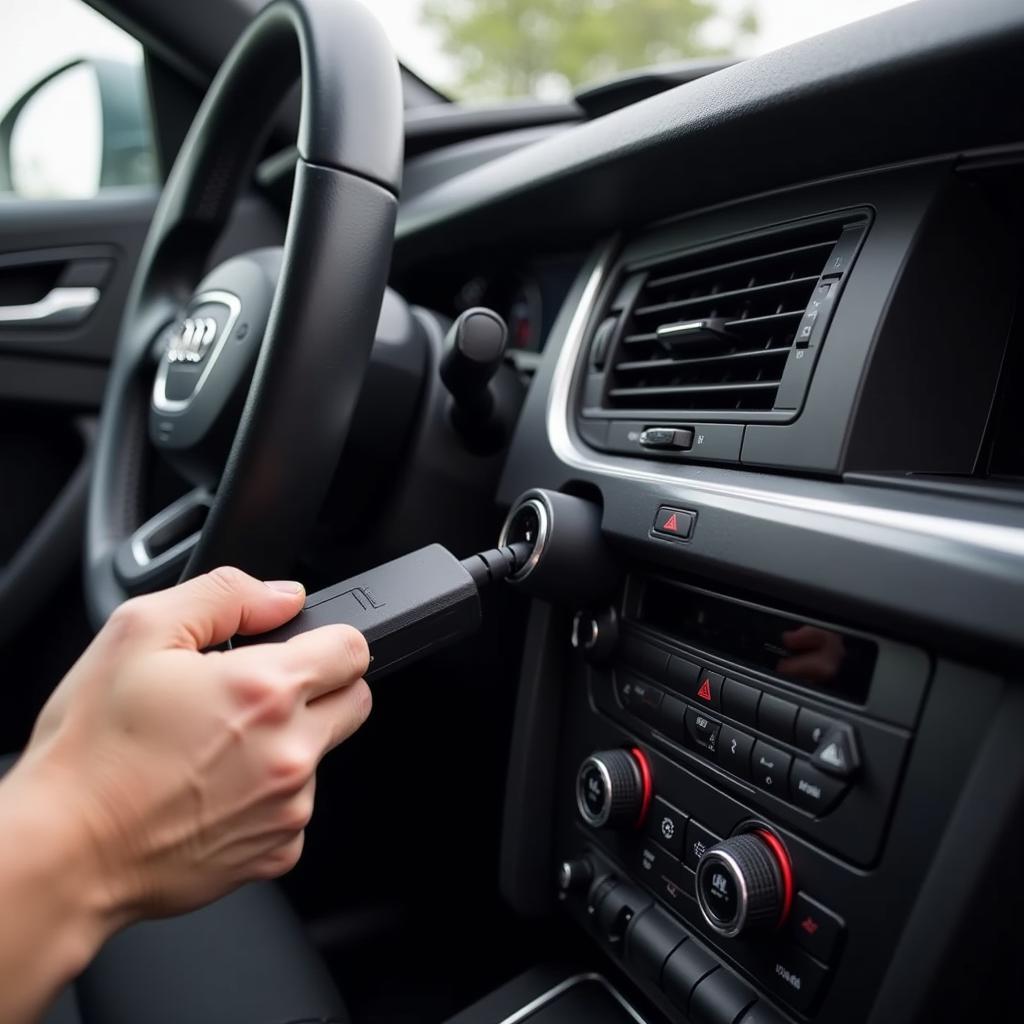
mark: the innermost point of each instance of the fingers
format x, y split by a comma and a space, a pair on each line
327, 658
209, 609
339, 714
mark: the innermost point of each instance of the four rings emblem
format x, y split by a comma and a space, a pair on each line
191, 343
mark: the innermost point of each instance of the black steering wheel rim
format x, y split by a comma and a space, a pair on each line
320, 331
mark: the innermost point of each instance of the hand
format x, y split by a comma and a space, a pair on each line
186, 773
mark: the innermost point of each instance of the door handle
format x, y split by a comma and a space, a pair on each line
58, 307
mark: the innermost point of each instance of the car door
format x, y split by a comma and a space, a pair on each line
78, 185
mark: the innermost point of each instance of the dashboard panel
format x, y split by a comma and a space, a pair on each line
800, 666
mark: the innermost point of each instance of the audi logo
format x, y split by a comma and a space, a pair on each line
191, 343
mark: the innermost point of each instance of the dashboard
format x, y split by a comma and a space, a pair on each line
773, 320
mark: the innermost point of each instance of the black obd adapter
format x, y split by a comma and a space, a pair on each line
550, 545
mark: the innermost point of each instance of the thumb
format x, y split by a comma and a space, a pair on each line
211, 608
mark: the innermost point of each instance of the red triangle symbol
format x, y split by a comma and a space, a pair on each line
705, 690
671, 524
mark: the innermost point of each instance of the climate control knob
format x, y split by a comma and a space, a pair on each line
745, 883
613, 788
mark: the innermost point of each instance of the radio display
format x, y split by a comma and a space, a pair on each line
812, 655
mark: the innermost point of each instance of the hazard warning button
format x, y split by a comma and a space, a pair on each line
674, 522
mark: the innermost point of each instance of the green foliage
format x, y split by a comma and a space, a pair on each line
514, 47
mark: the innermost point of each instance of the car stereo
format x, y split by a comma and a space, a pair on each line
729, 774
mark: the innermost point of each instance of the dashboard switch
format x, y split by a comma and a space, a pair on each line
674, 522
613, 788
811, 728
678, 439
683, 970
795, 977
734, 749
667, 827
707, 689
815, 928
650, 941
745, 883
719, 998
740, 701
769, 768
837, 753
777, 716
698, 841
812, 790
702, 731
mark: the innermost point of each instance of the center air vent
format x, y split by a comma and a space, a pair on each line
713, 330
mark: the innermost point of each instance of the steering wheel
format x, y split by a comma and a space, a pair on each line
298, 324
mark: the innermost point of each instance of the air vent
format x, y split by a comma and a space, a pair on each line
712, 331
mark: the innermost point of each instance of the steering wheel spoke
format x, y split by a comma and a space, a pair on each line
157, 552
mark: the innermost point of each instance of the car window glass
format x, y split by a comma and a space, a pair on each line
74, 115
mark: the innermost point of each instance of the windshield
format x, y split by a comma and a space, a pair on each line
492, 50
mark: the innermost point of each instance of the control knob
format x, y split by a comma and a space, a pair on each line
613, 788
745, 883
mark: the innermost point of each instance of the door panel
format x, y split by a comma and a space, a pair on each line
82, 244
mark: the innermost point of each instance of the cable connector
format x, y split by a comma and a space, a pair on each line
498, 563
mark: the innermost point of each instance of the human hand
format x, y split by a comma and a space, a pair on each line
186, 773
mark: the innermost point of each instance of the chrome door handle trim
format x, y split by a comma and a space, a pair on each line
57, 306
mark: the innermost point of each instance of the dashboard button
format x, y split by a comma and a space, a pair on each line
708, 689
667, 438
719, 998
646, 700
795, 977
650, 940
673, 522
683, 970
811, 728
734, 749
666, 825
837, 753
777, 717
644, 656
815, 928
698, 841
683, 674
702, 732
769, 768
812, 790
672, 718
739, 701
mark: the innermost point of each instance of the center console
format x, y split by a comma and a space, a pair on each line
776, 774
736, 770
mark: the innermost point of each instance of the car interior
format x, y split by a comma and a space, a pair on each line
718, 367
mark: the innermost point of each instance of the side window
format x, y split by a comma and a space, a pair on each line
74, 115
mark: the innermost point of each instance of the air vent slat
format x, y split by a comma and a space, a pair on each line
693, 389
712, 329
718, 297
823, 247
668, 364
